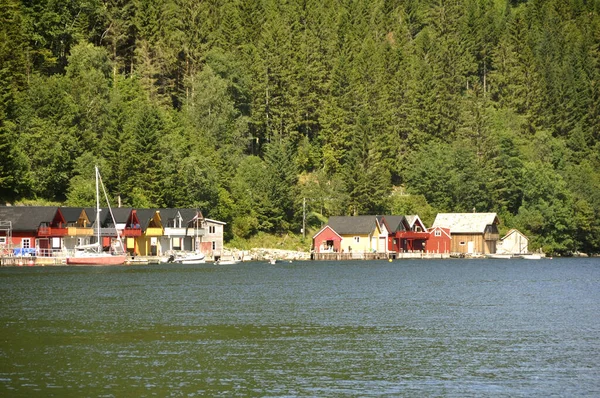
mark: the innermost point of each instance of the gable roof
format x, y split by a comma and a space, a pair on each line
72, 214
515, 232
465, 222
353, 225
122, 214
211, 221
104, 215
145, 216
414, 219
323, 229
393, 223
27, 218
441, 229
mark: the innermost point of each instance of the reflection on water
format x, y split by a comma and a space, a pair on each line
417, 328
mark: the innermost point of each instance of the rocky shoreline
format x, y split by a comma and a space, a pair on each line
264, 254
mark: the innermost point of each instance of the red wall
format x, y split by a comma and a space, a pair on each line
322, 237
438, 244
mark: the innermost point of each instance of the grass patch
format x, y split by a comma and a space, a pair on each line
286, 241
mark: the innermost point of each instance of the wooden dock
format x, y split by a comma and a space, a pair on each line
375, 256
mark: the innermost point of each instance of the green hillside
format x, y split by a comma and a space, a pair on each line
244, 108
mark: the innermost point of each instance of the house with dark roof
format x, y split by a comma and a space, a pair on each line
472, 233
45, 230
79, 227
181, 227
35, 230
148, 244
128, 227
405, 233
360, 234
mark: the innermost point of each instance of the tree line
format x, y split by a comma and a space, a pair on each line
246, 108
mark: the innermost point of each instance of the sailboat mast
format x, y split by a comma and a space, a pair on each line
98, 211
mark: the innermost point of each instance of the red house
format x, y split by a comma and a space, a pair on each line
406, 233
327, 241
439, 241
33, 230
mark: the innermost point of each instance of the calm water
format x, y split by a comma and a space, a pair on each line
409, 328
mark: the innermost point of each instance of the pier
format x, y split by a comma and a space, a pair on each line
336, 256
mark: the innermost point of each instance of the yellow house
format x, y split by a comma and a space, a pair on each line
360, 234
152, 230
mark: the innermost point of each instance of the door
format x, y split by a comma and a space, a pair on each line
382, 244
470, 247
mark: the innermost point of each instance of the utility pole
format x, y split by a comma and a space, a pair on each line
304, 218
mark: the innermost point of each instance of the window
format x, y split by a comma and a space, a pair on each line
214, 245
212, 229
357, 239
2, 240
418, 229
26, 243
438, 233
56, 243
176, 243
462, 243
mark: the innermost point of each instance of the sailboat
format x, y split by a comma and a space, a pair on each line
93, 254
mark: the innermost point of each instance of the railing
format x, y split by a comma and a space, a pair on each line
172, 231
80, 231
131, 232
413, 235
194, 231
111, 231
154, 232
50, 252
50, 231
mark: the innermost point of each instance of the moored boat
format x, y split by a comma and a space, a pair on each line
499, 256
93, 254
531, 256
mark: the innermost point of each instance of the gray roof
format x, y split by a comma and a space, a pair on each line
465, 222
353, 225
71, 214
145, 215
27, 218
104, 215
122, 214
393, 223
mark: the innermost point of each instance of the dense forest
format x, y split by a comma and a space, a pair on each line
247, 109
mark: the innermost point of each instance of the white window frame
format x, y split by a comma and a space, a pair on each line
28, 240
214, 245
462, 243
2, 240
357, 239
438, 233
212, 229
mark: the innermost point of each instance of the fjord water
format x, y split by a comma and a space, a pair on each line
407, 328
